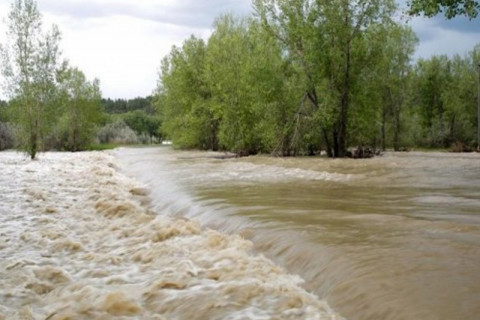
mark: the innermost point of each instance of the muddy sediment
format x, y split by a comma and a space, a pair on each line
77, 241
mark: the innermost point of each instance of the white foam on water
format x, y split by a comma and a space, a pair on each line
239, 171
78, 242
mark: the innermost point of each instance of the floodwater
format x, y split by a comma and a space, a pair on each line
79, 240
395, 237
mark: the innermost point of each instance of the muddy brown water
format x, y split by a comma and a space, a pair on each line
395, 237
78, 242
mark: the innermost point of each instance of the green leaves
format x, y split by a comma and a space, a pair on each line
450, 8
183, 97
445, 91
80, 103
30, 59
53, 105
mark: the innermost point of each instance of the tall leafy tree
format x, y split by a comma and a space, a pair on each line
184, 97
30, 61
327, 41
432, 77
80, 100
394, 74
444, 92
241, 69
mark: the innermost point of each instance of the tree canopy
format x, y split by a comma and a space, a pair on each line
304, 77
450, 8
30, 61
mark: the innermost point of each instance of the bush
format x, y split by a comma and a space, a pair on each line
143, 124
7, 138
117, 133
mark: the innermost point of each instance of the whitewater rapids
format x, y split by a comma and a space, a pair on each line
78, 241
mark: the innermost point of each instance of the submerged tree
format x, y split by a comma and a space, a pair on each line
29, 63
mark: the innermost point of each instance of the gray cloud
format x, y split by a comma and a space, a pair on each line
192, 14
460, 24
440, 36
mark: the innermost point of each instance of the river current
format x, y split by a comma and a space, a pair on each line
79, 240
395, 237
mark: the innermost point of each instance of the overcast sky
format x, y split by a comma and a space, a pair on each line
121, 42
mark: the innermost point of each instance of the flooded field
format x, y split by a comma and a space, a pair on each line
80, 240
395, 237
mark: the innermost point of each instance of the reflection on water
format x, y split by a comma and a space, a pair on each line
395, 237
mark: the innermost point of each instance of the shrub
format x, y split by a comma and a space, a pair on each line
118, 133
7, 138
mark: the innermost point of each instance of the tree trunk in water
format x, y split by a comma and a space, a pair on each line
335, 143
327, 143
396, 132
33, 145
32, 148
213, 135
75, 140
384, 119
452, 129
341, 135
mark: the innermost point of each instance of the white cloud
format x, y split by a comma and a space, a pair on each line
197, 14
439, 36
122, 42
124, 52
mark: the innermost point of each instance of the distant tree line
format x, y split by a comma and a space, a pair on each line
127, 105
302, 76
138, 114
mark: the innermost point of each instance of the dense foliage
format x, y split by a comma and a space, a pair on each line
301, 76
138, 114
126, 105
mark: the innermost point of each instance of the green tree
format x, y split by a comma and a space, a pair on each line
81, 109
233, 60
444, 99
3, 111
450, 8
432, 77
6, 130
394, 76
29, 63
328, 43
187, 118
143, 124
460, 97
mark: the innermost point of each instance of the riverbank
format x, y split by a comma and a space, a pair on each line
77, 241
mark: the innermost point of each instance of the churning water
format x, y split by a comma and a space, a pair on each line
395, 237
80, 240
